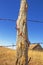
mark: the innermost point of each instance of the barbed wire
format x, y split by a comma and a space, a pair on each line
29, 20
7, 19
37, 21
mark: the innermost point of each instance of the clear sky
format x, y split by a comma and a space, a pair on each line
10, 9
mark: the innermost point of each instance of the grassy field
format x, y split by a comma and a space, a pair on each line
36, 57
7, 57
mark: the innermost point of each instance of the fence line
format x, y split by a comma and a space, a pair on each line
31, 20
37, 21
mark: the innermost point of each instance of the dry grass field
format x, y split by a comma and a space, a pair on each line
36, 57
7, 57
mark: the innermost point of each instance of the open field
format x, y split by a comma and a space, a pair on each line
36, 57
7, 57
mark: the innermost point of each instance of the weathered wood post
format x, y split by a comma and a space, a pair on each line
22, 36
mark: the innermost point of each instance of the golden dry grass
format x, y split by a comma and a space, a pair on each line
36, 57
7, 57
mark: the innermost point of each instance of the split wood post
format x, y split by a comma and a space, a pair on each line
22, 35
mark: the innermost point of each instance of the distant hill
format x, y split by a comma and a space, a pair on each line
32, 46
35, 47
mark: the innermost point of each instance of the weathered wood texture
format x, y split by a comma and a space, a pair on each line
22, 36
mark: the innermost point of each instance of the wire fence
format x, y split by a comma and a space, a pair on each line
29, 20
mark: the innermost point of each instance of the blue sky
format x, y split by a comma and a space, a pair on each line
10, 9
